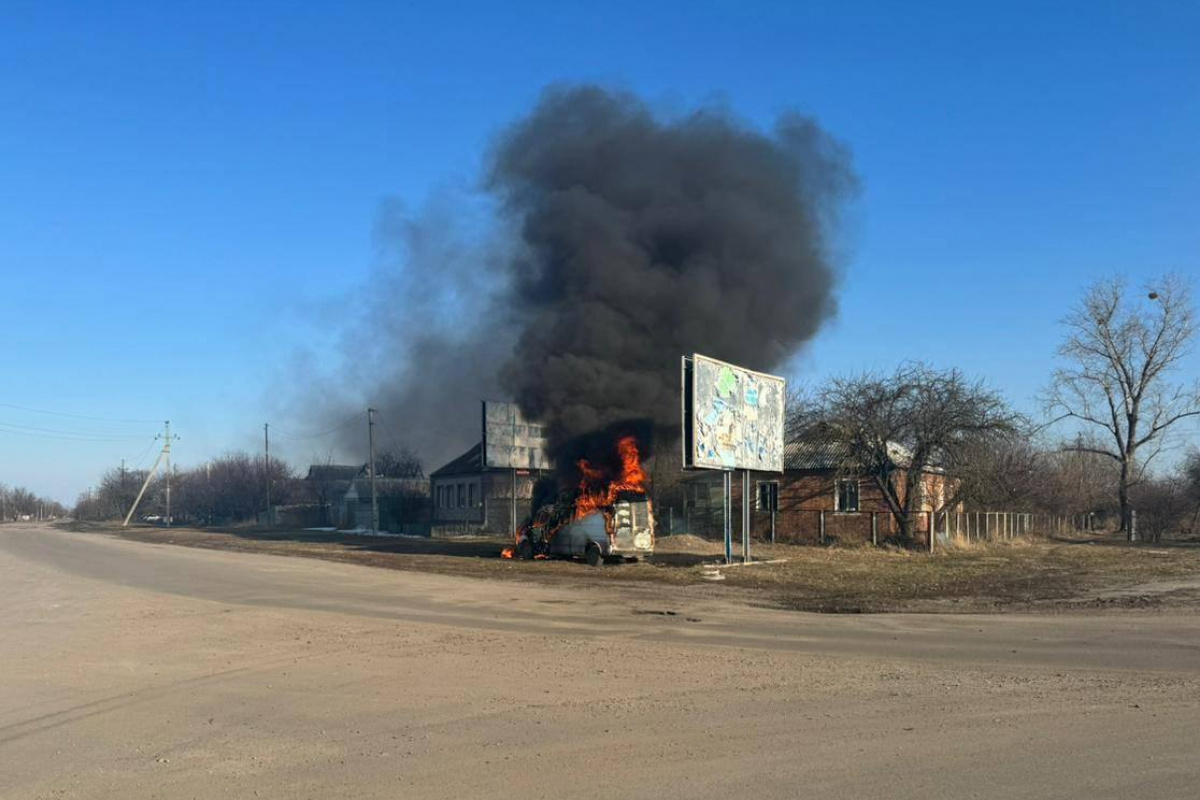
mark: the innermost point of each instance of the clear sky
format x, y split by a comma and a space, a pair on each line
187, 190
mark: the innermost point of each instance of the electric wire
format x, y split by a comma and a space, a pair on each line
64, 436
289, 435
80, 416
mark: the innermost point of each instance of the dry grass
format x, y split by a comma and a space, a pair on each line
1050, 574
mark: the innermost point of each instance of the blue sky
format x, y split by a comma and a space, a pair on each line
187, 190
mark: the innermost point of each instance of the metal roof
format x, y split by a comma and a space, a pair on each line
468, 463
820, 452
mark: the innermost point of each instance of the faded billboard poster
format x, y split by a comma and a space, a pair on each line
736, 417
510, 441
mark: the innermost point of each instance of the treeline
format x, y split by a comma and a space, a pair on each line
1069, 480
232, 488
18, 503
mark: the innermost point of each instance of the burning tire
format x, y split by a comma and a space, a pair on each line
593, 555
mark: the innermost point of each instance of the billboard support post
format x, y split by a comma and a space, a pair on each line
733, 419
727, 484
745, 516
514, 501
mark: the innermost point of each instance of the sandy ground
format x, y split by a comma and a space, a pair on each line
134, 670
1045, 574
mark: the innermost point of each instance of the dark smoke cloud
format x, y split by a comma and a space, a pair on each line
631, 240
644, 239
431, 329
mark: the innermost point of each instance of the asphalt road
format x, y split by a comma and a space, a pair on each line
133, 670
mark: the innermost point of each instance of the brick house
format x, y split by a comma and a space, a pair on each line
817, 500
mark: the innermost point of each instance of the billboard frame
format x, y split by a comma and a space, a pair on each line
540, 465
689, 380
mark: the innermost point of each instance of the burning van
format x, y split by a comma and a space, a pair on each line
607, 517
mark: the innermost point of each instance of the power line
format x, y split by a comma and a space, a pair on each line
97, 434
347, 423
388, 430
140, 460
35, 433
79, 416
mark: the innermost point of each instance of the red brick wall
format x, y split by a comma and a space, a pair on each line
803, 495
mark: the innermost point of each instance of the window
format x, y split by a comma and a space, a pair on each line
470, 495
768, 496
462, 495
847, 496
441, 497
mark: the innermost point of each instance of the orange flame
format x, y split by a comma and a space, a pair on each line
593, 495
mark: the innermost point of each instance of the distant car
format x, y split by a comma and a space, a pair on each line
152, 518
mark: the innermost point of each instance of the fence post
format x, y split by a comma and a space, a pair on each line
930, 514
821, 529
875, 528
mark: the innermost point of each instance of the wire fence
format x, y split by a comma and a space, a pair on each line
930, 528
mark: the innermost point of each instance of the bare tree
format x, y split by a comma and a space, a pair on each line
1191, 486
1007, 473
1116, 377
402, 462
1163, 505
896, 429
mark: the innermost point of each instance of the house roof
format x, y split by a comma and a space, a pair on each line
814, 454
822, 452
468, 463
333, 472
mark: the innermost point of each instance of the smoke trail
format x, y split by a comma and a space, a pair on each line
431, 328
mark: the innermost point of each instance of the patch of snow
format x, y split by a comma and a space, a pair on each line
381, 534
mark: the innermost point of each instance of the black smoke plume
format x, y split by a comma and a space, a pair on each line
643, 239
630, 238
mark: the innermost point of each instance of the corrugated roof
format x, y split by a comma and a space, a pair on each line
819, 451
814, 454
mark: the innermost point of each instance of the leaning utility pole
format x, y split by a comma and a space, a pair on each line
164, 453
374, 494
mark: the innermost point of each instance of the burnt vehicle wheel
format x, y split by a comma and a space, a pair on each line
593, 555
525, 549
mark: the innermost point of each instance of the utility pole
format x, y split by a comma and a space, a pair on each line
374, 494
167, 454
267, 465
164, 453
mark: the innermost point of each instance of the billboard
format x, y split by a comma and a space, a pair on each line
510, 441
733, 417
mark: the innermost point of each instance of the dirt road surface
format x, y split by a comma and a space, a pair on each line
134, 670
